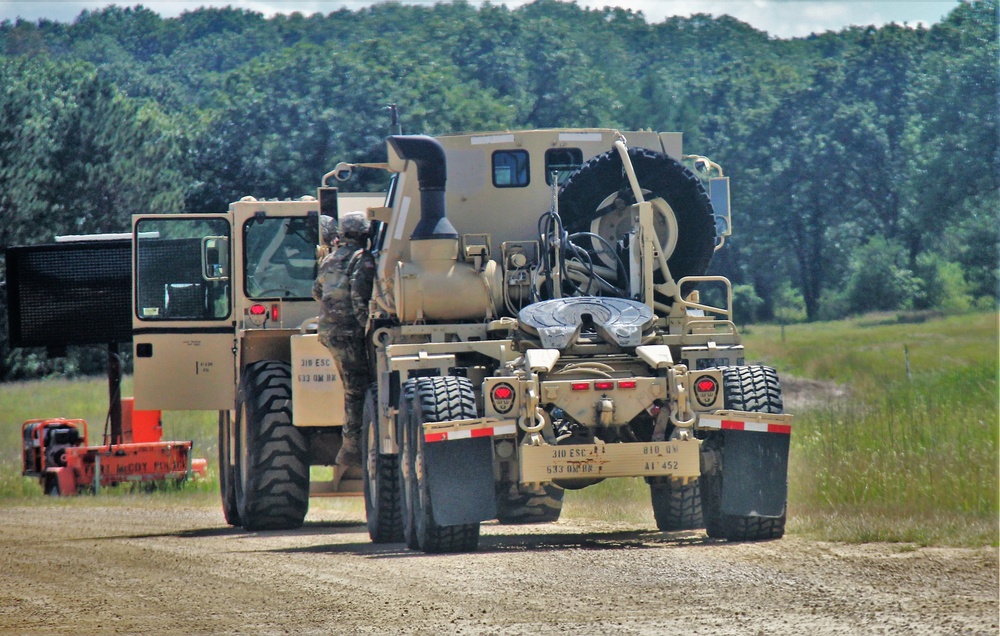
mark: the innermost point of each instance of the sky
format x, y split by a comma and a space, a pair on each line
780, 18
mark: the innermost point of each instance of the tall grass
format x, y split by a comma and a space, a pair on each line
910, 453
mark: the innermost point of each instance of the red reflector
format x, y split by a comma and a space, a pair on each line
580, 386
258, 310
604, 385
627, 384
503, 393
275, 313
707, 384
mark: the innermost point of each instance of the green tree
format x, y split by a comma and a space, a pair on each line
804, 169
829, 140
880, 279
954, 146
292, 116
76, 157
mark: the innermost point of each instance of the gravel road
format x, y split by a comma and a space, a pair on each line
138, 566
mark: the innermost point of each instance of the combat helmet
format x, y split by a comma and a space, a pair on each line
354, 224
327, 229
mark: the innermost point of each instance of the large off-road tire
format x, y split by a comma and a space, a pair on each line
405, 480
437, 399
588, 194
754, 389
272, 472
383, 496
676, 506
227, 470
519, 503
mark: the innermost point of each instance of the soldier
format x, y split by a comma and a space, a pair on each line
327, 232
344, 287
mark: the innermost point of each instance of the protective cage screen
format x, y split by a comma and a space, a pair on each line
70, 293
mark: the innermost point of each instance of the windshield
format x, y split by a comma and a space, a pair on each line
280, 257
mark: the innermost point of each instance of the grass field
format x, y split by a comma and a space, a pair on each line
905, 448
910, 453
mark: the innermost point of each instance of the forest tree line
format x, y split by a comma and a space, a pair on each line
865, 163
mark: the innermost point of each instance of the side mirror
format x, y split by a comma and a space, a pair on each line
718, 191
343, 171
215, 258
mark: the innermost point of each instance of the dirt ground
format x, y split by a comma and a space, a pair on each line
800, 394
143, 567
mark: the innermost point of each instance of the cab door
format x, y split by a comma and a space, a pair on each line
183, 331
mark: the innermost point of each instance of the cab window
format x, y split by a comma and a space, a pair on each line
173, 281
562, 162
280, 257
510, 169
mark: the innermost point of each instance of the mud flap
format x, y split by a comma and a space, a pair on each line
460, 480
755, 474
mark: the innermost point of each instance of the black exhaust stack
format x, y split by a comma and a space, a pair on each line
432, 172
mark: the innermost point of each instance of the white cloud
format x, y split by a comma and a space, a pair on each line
781, 18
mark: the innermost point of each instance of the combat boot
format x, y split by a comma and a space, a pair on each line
349, 454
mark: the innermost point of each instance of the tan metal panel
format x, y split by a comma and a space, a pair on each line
317, 388
589, 461
185, 371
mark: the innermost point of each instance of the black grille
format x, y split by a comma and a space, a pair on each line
70, 293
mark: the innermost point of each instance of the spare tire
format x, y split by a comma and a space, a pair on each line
587, 195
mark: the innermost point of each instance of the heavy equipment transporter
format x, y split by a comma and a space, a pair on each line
541, 320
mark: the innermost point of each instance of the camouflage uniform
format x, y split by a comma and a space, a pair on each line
344, 287
327, 230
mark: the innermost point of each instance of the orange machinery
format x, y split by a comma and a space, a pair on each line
56, 451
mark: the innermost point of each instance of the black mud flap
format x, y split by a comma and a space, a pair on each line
755, 474
460, 480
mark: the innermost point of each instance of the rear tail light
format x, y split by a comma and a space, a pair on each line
503, 398
706, 390
503, 392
